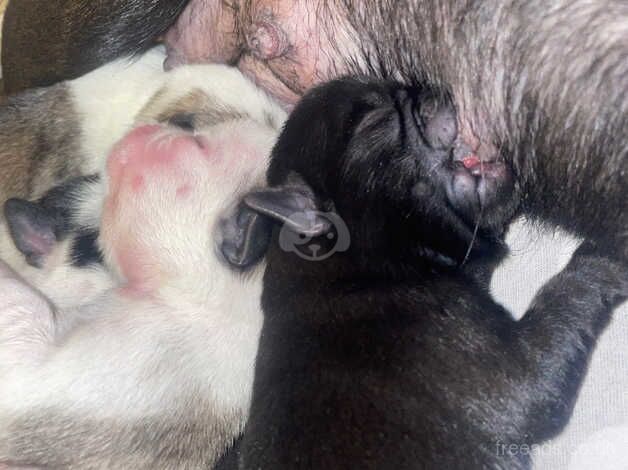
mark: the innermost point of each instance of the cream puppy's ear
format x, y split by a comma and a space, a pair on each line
33, 230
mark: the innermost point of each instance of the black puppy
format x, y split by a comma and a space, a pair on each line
390, 353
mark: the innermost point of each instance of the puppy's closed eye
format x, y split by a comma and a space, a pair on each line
184, 121
438, 123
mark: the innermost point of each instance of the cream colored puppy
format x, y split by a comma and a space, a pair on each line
156, 373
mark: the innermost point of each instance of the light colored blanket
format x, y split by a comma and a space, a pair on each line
597, 435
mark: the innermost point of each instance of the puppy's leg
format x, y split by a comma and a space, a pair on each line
554, 341
26, 322
119, 391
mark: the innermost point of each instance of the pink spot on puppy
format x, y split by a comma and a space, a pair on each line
137, 184
130, 148
184, 191
144, 149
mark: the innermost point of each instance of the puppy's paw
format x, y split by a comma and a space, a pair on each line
26, 322
601, 268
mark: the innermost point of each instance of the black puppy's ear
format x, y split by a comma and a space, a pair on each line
32, 230
247, 233
245, 237
293, 205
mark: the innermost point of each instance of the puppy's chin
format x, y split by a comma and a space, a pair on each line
480, 192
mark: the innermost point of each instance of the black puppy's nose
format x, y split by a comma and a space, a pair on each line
440, 125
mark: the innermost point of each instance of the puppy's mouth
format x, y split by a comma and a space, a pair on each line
477, 184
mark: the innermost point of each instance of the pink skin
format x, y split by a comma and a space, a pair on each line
218, 42
280, 47
144, 151
154, 158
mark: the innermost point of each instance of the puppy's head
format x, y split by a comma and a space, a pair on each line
387, 160
175, 179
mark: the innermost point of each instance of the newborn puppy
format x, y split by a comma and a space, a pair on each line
389, 353
50, 135
157, 372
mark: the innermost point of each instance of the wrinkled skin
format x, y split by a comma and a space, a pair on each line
286, 46
280, 44
542, 85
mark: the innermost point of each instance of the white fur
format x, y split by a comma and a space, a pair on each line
186, 347
108, 99
65, 285
106, 102
219, 83
26, 322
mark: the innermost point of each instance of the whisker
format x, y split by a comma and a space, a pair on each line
473, 237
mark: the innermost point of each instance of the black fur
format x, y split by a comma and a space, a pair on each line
46, 42
391, 354
543, 85
85, 250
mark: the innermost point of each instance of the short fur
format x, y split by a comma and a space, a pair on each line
543, 85
50, 135
391, 354
154, 374
44, 242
